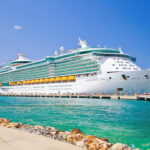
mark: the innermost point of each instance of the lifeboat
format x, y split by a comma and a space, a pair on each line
13, 83
72, 78
0, 84
58, 79
25, 82
47, 80
64, 78
19, 82
33, 81
29, 82
52, 79
41, 80
10, 83
37, 81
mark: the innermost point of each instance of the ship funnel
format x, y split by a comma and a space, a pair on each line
21, 57
83, 43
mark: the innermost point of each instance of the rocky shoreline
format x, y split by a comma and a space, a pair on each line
75, 137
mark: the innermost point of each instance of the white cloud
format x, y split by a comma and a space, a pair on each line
17, 27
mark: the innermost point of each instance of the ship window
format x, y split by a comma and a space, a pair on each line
146, 76
124, 77
119, 89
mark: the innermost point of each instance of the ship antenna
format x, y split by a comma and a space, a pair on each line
120, 49
82, 43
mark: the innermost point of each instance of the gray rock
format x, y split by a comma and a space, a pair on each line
119, 146
62, 135
38, 127
80, 144
19, 125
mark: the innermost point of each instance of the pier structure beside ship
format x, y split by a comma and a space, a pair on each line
84, 70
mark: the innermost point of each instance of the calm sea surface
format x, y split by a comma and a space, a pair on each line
125, 121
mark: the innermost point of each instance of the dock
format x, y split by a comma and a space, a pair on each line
81, 95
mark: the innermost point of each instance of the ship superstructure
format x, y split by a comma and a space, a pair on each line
82, 70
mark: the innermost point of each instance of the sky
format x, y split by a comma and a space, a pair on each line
37, 28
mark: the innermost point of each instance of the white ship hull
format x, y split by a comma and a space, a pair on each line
101, 83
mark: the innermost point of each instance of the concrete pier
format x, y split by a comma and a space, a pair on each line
81, 95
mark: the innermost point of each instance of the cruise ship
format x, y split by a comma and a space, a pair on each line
82, 70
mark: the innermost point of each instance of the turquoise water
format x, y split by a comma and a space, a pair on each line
125, 121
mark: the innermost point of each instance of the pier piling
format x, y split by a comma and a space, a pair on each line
80, 95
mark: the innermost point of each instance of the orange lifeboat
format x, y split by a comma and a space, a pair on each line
19, 82
41, 80
37, 81
64, 78
0, 84
47, 80
33, 81
72, 78
29, 82
58, 79
10, 83
52, 79
13, 83
25, 82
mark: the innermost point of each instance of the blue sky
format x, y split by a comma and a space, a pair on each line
39, 27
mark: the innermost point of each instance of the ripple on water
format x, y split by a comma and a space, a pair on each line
122, 121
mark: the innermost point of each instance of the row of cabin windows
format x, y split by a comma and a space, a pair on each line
128, 68
79, 72
87, 75
125, 66
124, 63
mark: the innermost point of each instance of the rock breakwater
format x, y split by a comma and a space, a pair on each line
75, 137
